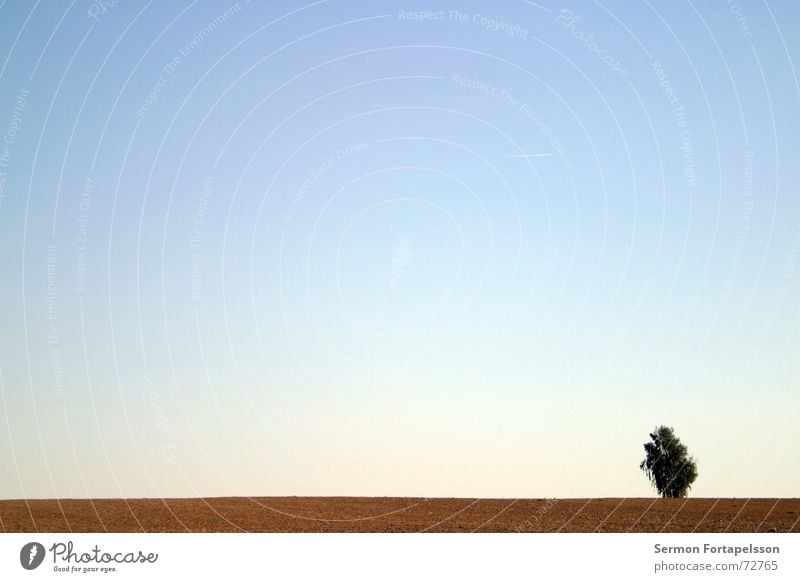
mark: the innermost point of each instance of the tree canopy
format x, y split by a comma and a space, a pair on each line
667, 463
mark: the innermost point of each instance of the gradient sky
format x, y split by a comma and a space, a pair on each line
331, 248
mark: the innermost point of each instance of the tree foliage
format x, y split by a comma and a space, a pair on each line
667, 463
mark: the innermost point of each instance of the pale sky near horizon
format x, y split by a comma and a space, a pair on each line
397, 248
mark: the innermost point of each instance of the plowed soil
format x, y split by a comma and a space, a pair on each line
399, 514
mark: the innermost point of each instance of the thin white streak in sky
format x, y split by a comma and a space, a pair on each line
522, 156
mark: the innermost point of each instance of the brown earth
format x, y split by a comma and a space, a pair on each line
399, 514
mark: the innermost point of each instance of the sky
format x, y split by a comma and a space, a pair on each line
459, 249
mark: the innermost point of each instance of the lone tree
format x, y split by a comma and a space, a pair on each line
667, 463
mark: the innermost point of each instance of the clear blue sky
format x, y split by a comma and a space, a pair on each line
453, 249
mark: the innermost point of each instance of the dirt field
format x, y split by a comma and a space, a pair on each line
396, 514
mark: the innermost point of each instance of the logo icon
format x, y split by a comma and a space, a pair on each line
31, 555
402, 253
